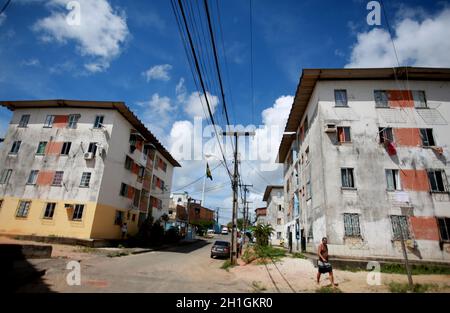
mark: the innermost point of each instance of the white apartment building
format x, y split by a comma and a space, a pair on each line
80, 169
274, 197
366, 153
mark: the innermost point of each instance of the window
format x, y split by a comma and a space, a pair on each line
385, 134
278, 221
118, 218
393, 180
41, 147
78, 212
98, 121
128, 163
347, 178
6, 175
179, 200
33, 177
24, 119
85, 179
420, 102
444, 228
49, 210
93, 148
141, 172
399, 225
344, 134
24, 207
57, 178
426, 134
73, 121
49, 121
15, 147
133, 217
66, 148
279, 235
279, 208
438, 181
123, 190
381, 98
340, 98
351, 225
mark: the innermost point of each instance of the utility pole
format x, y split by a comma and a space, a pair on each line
405, 256
233, 256
245, 215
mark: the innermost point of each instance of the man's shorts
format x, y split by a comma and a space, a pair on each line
324, 267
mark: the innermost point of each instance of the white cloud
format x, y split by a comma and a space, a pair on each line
194, 104
31, 62
100, 35
419, 42
181, 91
158, 72
157, 115
2, 18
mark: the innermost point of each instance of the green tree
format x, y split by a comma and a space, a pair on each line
240, 224
262, 233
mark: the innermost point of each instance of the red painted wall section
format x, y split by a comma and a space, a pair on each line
60, 121
400, 99
425, 228
45, 178
53, 148
415, 180
407, 137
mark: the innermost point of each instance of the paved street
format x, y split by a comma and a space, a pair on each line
180, 269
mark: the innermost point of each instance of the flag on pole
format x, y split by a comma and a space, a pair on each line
208, 172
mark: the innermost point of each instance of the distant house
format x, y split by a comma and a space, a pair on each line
261, 215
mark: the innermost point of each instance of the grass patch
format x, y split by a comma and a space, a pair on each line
117, 254
417, 288
258, 286
415, 269
270, 252
85, 249
328, 289
226, 265
298, 255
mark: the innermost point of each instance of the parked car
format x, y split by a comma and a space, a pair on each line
220, 249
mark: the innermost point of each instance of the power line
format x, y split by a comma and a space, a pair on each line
5, 6
251, 61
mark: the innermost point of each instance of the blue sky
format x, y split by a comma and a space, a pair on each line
131, 51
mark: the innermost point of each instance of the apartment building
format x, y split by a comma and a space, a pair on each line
366, 161
261, 215
80, 169
274, 197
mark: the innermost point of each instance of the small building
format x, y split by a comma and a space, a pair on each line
274, 197
261, 215
80, 169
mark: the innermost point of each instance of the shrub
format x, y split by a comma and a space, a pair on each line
226, 265
172, 235
404, 287
262, 233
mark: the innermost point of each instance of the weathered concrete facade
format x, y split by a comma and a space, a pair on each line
360, 184
92, 168
274, 197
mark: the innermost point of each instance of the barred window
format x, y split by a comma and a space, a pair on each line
49, 121
351, 224
24, 119
57, 178
49, 210
85, 179
98, 121
6, 175
381, 98
66, 148
347, 178
399, 225
73, 121
340, 97
78, 212
23, 209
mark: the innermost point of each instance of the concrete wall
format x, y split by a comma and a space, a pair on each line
370, 199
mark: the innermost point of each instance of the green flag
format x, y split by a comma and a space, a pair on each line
208, 171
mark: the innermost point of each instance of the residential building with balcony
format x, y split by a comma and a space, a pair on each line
80, 169
366, 154
261, 215
274, 197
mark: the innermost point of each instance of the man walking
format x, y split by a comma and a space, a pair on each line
124, 230
323, 265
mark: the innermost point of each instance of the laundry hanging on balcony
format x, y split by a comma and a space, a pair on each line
390, 147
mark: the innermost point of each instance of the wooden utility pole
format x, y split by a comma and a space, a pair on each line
405, 256
233, 256
245, 209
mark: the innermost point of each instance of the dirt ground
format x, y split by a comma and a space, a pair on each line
299, 275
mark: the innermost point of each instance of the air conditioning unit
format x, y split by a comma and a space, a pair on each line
88, 156
330, 128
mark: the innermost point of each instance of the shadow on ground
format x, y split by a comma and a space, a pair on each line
188, 248
16, 271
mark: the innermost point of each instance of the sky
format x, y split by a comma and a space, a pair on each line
131, 51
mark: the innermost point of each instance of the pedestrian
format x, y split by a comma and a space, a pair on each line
322, 263
124, 230
239, 244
